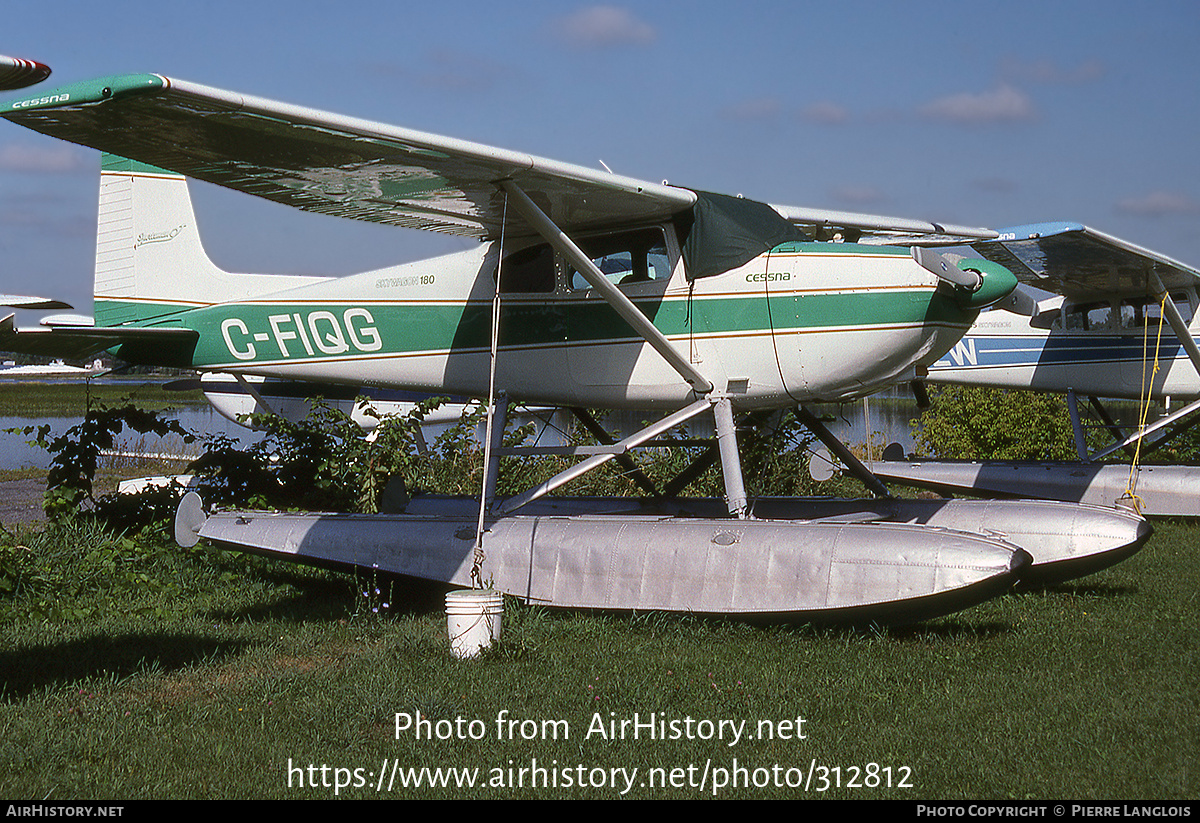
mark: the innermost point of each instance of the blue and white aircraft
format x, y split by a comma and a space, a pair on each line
1097, 317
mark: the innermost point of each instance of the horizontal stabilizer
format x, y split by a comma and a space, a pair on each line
20, 301
167, 346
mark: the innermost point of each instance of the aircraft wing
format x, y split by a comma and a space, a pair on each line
875, 229
163, 345
354, 168
1081, 263
332, 164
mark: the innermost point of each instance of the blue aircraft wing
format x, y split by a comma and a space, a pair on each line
1082, 263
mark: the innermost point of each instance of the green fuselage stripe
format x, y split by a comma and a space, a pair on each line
229, 332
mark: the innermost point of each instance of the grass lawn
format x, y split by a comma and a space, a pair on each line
36, 400
137, 670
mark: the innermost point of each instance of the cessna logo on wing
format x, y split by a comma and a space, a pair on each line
41, 101
317, 332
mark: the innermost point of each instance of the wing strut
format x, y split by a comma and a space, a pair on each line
603, 455
611, 294
1178, 324
253, 392
836, 446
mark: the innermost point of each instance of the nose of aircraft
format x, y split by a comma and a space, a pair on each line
995, 283
975, 283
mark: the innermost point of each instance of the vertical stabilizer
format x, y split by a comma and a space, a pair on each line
147, 245
150, 261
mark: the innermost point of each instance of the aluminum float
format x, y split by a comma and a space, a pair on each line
777, 569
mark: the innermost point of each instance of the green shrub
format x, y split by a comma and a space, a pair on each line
326, 463
967, 423
76, 456
76, 568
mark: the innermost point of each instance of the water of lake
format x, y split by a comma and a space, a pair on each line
16, 452
889, 414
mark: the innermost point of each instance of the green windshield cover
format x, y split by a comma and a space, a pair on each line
728, 232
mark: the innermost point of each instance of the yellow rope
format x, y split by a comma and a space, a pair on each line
1144, 395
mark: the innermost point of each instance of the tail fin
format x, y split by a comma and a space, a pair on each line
149, 258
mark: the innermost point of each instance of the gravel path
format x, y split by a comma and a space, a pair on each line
21, 502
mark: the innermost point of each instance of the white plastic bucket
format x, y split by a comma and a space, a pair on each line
473, 620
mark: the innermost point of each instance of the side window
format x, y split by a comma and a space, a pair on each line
1098, 316
527, 271
633, 257
1183, 302
1074, 318
1089, 316
1148, 311
658, 262
1134, 313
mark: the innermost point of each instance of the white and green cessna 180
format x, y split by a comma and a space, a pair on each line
588, 289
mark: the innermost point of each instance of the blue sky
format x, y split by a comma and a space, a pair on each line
980, 114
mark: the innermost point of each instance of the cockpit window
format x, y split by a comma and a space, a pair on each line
1183, 303
1148, 311
632, 257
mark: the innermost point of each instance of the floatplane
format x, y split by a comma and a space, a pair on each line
587, 290
1095, 317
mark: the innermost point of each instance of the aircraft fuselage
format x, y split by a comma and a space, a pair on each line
804, 322
1103, 349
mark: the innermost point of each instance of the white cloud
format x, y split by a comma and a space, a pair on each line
826, 113
604, 27
1158, 204
1003, 104
60, 159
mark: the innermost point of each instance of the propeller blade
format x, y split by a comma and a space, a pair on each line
945, 266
